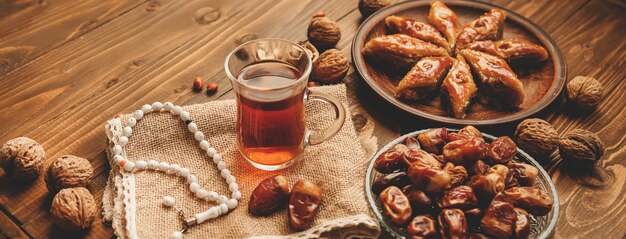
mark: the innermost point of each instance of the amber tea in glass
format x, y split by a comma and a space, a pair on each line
269, 78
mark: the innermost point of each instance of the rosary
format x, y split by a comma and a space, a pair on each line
225, 203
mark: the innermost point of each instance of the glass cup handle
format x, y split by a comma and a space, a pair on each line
319, 136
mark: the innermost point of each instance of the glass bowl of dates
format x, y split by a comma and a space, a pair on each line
451, 183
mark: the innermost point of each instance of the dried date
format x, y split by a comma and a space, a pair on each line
411, 142
419, 201
304, 203
525, 174
398, 179
479, 168
458, 136
396, 205
461, 197
471, 131
391, 160
420, 157
534, 200
422, 226
502, 150
452, 224
510, 181
522, 224
428, 178
270, 195
458, 174
488, 185
473, 217
433, 140
499, 219
499, 169
464, 151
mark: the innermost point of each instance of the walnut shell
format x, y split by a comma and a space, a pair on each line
22, 158
73, 209
68, 171
581, 146
331, 67
584, 91
537, 137
323, 33
367, 7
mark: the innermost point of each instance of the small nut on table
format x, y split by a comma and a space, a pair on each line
331, 67
584, 91
68, 171
367, 7
197, 83
581, 146
211, 88
537, 137
73, 209
22, 158
323, 33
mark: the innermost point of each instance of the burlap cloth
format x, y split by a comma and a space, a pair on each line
132, 202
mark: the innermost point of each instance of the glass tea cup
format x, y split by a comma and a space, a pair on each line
269, 78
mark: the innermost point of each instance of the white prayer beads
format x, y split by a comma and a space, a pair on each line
225, 203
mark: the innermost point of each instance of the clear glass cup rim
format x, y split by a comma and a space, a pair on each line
305, 74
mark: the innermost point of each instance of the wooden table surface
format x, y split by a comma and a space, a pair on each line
68, 66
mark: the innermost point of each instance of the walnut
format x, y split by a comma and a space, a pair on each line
73, 209
584, 91
581, 146
367, 7
323, 32
311, 50
332, 66
537, 137
22, 158
68, 171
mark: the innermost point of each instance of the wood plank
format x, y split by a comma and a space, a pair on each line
549, 15
10, 7
70, 122
8, 228
593, 204
164, 73
32, 28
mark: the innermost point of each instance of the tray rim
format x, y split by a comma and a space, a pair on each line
372, 201
559, 76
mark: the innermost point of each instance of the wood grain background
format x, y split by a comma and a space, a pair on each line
68, 66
